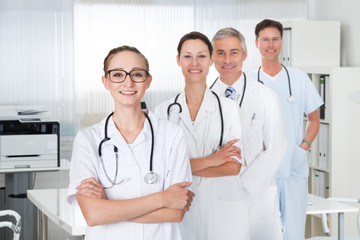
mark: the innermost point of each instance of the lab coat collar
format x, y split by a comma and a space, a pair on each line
209, 104
220, 87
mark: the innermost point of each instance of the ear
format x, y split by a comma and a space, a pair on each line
105, 82
148, 81
256, 43
245, 56
178, 60
211, 61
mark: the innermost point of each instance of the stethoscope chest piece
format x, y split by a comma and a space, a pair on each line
150, 177
291, 99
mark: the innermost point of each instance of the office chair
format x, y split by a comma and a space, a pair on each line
16, 228
326, 228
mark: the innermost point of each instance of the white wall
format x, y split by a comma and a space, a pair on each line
346, 11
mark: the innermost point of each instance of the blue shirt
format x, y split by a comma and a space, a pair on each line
307, 100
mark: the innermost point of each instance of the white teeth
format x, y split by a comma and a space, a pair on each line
228, 67
194, 71
124, 92
271, 51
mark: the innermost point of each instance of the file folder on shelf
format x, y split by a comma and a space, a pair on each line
324, 146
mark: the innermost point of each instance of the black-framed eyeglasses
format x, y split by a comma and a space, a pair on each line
136, 75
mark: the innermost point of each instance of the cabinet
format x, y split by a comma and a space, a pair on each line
334, 158
313, 46
344, 140
340, 176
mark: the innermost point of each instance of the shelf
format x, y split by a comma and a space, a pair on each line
320, 168
322, 70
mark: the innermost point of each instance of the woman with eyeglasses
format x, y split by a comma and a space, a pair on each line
212, 126
130, 172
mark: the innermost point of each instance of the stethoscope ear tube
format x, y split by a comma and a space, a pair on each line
152, 142
291, 99
222, 120
174, 103
153, 175
106, 138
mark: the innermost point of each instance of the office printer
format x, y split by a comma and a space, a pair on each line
28, 139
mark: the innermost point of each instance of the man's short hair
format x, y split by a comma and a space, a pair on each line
266, 23
230, 32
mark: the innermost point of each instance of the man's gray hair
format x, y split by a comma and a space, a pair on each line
230, 32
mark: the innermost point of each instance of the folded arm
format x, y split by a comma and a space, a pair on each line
166, 206
219, 164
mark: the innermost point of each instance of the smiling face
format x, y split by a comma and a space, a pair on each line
194, 60
269, 50
228, 58
127, 92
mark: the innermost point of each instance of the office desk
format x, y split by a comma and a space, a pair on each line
52, 204
17, 182
318, 205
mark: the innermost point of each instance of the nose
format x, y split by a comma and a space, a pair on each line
271, 42
128, 81
194, 61
227, 59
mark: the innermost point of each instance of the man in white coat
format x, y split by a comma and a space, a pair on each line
263, 132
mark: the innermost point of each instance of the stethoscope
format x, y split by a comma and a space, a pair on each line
175, 103
149, 178
291, 99
244, 89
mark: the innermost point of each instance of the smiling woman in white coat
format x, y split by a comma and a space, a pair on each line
212, 126
130, 171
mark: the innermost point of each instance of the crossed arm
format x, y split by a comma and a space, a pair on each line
167, 206
220, 163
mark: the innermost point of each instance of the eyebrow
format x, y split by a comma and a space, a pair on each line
187, 52
134, 68
231, 50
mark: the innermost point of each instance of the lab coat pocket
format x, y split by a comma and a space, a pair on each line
300, 166
264, 207
229, 218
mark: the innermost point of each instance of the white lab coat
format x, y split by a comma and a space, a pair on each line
294, 170
170, 162
219, 209
264, 146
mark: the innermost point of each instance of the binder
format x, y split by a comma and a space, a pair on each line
286, 48
316, 183
310, 158
327, 94
324, 146
322, 95
321, 184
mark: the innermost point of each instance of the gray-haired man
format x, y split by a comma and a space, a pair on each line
263, 132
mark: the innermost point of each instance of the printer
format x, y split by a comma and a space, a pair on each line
28, 138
